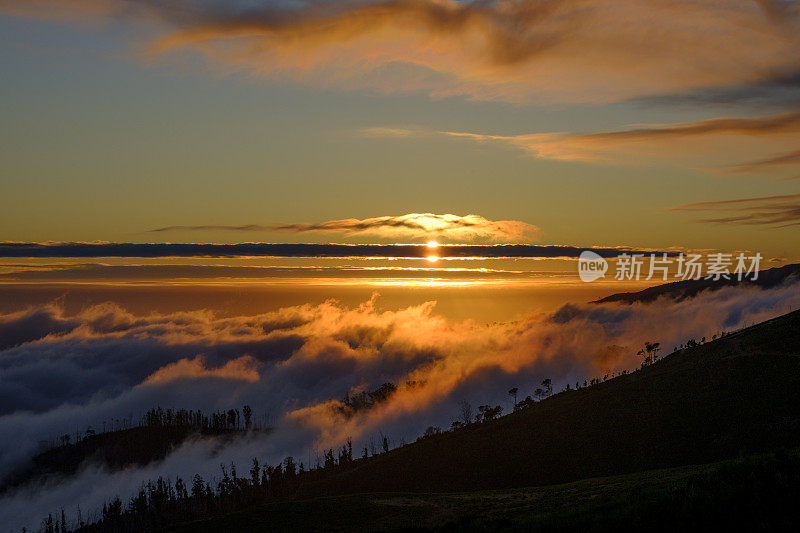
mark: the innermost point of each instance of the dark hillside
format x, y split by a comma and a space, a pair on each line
158, 434
680, 290
734, 396
757, 493
115, 450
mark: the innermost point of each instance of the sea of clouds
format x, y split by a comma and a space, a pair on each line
62, 373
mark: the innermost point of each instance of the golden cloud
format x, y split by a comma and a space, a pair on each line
304, 357
411, 225
520, 51
243, 368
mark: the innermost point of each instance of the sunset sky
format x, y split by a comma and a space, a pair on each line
624, 123
206, 204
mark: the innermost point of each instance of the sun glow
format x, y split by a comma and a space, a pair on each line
433, 244
432, 258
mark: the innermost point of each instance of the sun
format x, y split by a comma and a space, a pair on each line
432, 258
433, 244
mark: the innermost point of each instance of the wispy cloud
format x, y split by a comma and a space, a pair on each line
559, 146
381, 132
780, 211
526, 50
413, 225
650, 140
215, 227
780, 92
775, 164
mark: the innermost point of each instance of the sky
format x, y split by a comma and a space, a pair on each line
210, 203
124, 117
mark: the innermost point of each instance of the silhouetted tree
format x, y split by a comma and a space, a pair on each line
432, 430
466, 412
198, 487
290, 467
649, 352
180, 489
255, 473
368, 399
526, 403
330, 460
548, 387
488, 412
247, 412
513, 393
346, 454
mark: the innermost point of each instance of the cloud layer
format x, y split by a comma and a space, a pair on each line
60, 373
105, 249
521, 51
410, 226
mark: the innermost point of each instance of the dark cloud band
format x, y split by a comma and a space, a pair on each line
77, 249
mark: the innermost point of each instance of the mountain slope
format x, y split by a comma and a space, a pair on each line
748, 494
640, 449
736, 395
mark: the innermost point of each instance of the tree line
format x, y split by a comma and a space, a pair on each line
177, 419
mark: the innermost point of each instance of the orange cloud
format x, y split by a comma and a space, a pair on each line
668, 141
244, 368
411, 225
596, 339
521, 51
305, 357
